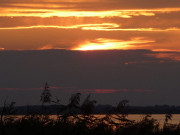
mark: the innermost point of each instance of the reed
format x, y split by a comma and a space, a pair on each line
78, 119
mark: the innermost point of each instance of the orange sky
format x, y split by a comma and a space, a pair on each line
92, 25
145, 32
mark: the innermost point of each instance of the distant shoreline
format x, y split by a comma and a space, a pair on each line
102, 109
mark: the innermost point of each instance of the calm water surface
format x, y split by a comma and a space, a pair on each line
137, 117
159, 117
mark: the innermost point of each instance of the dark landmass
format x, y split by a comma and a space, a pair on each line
102, 109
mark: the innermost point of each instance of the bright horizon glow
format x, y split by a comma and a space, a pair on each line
110, 44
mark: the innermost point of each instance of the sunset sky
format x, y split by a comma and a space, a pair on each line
59, 41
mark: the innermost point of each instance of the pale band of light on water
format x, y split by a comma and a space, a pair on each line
138, 117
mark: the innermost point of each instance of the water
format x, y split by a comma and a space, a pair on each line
159, 117
138, 117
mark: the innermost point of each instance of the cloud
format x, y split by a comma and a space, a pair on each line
146, 76
107, 91
9, 12
68, 24
158, 22
35, 38
168, 55
94, 27
122, 9
95, 4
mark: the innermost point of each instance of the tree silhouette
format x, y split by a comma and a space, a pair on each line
74, 101
88, 105
46, 95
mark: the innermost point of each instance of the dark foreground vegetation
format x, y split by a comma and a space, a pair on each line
77, 119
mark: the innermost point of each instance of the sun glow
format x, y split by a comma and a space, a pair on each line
110, 44
36, 11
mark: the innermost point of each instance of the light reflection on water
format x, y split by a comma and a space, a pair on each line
137, 117
159, 117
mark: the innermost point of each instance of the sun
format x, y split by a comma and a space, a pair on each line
98, 44
104, 46
112, 44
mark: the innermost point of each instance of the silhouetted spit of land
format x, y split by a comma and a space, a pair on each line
71, 123
78, 118
36, 120
102, 109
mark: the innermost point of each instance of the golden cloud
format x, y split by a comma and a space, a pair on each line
45, 12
